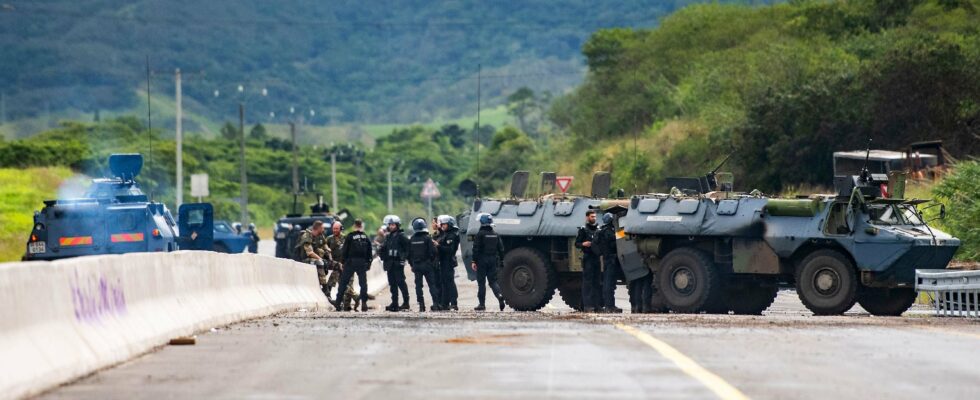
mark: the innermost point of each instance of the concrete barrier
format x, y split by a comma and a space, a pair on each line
64, 319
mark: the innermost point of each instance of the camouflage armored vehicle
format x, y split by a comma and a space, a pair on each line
287, 229
115, 217
538, 235
718, 251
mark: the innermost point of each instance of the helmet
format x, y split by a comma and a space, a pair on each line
251, 226
237, 226
486, 219
607, 218
393, 219
418, 224
445, 219
386, 220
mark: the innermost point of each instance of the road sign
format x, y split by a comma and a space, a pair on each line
564, 182
429, 190
199, 185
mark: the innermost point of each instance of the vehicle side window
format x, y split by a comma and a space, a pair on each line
837, 220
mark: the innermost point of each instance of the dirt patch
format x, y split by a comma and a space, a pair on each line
499, 339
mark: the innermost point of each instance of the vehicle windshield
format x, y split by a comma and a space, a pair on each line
894, 214
222, 227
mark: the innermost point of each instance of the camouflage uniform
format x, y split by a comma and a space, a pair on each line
318, 245
335, 243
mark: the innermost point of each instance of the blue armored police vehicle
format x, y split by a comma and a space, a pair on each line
115, 217
288, 228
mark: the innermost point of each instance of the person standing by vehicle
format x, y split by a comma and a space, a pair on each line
487, 249
393, 253
423, 257
605, 246
253, 239
447, 242
591, 269
356, 253
312, 248
336, 243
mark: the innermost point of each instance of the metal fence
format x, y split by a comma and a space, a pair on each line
952, 293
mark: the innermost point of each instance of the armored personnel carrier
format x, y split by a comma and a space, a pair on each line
720, 251
539, 236
116, 217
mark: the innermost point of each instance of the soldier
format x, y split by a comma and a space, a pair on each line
356, 253
487, 249
591, 269
393, 253
605, 246
335, 243
423, 257
448, 243
312, 248
253, 239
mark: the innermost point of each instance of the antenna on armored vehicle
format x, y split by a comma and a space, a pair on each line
865, 174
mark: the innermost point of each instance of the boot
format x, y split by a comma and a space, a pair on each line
334, 303
500, 300
436, 307
480, 307
392, 307
612, 310
454, 306
364, 307
405, 306
421, 306
588, 309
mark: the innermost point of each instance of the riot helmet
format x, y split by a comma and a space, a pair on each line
418, 225
486, 219
607, 218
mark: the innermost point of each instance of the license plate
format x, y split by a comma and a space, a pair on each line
36, 247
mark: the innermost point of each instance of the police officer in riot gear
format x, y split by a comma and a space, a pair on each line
487, 250
423, 258
591, 268
253, 239
356, 253
448, 243
605, 246
393, 253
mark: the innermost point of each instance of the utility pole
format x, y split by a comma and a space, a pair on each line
180, 145
390, 204
333, 179
292, 134
479, 86
244, 184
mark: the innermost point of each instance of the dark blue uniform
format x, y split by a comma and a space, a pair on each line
487, 249
424, 257
605, 244
591, 269
448, 245
393, 254
357, 260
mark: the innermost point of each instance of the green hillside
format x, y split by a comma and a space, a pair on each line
362, 62
21, 192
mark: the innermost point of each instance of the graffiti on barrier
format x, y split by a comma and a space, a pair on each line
96, 296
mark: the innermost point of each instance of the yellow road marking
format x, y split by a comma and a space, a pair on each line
715, 383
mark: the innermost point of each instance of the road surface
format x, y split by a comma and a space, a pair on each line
556, 353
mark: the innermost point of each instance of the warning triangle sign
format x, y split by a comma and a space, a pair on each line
429, 190
564, 182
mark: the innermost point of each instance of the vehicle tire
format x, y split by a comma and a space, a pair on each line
688, 280
220, 248
527, 280
570, 291
885, 301
826, 282
751, 300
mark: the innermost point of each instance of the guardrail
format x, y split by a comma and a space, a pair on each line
953, 293
64, 319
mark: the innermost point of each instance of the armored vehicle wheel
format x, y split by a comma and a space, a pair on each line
570, 291
688, 280
751, 300
886, 302
527, 281
826, 282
